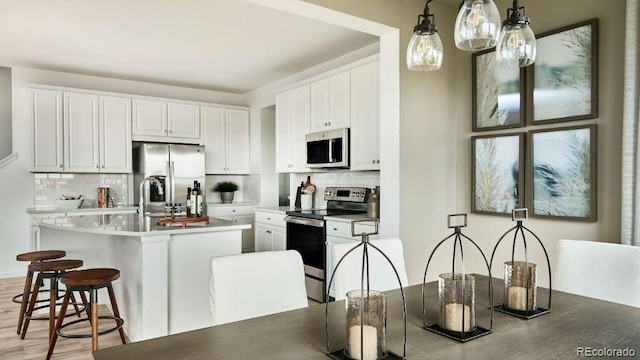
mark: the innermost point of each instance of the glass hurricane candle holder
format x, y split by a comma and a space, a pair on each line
520, 285
457, 294
366, 324
520, 296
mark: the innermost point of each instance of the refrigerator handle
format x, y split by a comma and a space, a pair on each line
172, 174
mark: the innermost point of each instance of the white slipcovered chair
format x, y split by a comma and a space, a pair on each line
599, 270
255, 284
381, 275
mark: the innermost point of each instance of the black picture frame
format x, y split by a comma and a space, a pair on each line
497, 172
562, 173
498, 100
563, 81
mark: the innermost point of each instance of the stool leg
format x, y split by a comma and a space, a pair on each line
116, 312
32, 304
93, 299
25, 298
53, 294
63, 311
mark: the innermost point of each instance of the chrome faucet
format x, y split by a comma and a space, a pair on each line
141, 202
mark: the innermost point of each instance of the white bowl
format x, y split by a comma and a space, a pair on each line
69, 204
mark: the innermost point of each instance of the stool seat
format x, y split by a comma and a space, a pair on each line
41, 255
90, 277
55, 265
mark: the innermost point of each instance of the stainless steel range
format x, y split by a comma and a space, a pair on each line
306, 233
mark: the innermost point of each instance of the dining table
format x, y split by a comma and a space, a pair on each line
575, 326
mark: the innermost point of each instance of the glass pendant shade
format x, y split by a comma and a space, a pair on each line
477, 25
516, 45
424, 52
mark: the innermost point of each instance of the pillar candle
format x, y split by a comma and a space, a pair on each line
369, 342
453, 317
518, 298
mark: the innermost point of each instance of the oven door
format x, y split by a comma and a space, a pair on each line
307, 236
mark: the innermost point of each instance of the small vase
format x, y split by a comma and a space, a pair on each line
226, 197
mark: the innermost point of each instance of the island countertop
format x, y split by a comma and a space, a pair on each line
132, 225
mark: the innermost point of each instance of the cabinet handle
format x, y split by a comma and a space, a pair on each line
329, 123
378, 161
166, 131
97, 166
170, 131
373, 161
268, 218
335, 229
268, 231
103, 166
233, 211
60, 166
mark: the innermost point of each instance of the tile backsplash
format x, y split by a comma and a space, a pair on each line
248, 188
368, 179
47, 187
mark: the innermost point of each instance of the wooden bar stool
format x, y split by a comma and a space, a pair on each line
33, 257
88, 280
51, 270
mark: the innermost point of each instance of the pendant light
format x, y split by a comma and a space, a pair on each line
516, 43
477, 25
424, 52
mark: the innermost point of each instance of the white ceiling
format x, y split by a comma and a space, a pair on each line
223, 45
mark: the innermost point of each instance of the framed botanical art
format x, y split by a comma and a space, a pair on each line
563, 82
497, 100
497, 173
562, 173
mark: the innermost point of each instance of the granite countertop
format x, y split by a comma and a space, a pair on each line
132, 225
276, 209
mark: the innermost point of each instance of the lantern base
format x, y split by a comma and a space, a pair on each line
459, 336
340, 355
521, 314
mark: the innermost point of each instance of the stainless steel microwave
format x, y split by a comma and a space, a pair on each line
328, 149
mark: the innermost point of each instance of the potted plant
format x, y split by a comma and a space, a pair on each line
226, 190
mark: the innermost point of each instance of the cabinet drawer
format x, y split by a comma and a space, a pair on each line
218, 211
343, 229
270, 218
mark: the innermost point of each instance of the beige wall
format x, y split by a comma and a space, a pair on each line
435, 126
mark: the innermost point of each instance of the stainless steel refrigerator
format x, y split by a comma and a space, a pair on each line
176, 166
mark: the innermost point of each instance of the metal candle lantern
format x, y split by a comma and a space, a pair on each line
520, 295
456, 293
365, 311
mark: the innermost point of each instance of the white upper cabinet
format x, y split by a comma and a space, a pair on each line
115, 134
45, 112
330, 98
292, 125
81, 139
226, 140
365, 117
82, 132
155, 120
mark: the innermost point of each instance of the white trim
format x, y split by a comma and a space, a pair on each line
8, 160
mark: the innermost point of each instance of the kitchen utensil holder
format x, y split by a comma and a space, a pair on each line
364, 286
474, 331
529, 311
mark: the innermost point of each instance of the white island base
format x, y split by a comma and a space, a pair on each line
164, 272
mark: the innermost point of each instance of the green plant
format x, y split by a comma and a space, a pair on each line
225, 186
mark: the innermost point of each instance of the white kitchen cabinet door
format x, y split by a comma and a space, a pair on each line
149, 118
262, 238
278, 239
226, 140
183, 121
115, 134
237, 141
292, 125
81, 133
213, 120
365, 118
45, 112
329, 103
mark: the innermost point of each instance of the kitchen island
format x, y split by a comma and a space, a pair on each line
164, 270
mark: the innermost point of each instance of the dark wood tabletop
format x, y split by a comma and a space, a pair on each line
574, 323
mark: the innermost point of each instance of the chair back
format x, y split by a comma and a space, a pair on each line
381, 275
255, 284
599, 270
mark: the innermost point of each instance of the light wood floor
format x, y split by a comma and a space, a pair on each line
35, 344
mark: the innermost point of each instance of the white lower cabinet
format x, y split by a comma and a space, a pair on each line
238, 214
339, 232
271, 231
